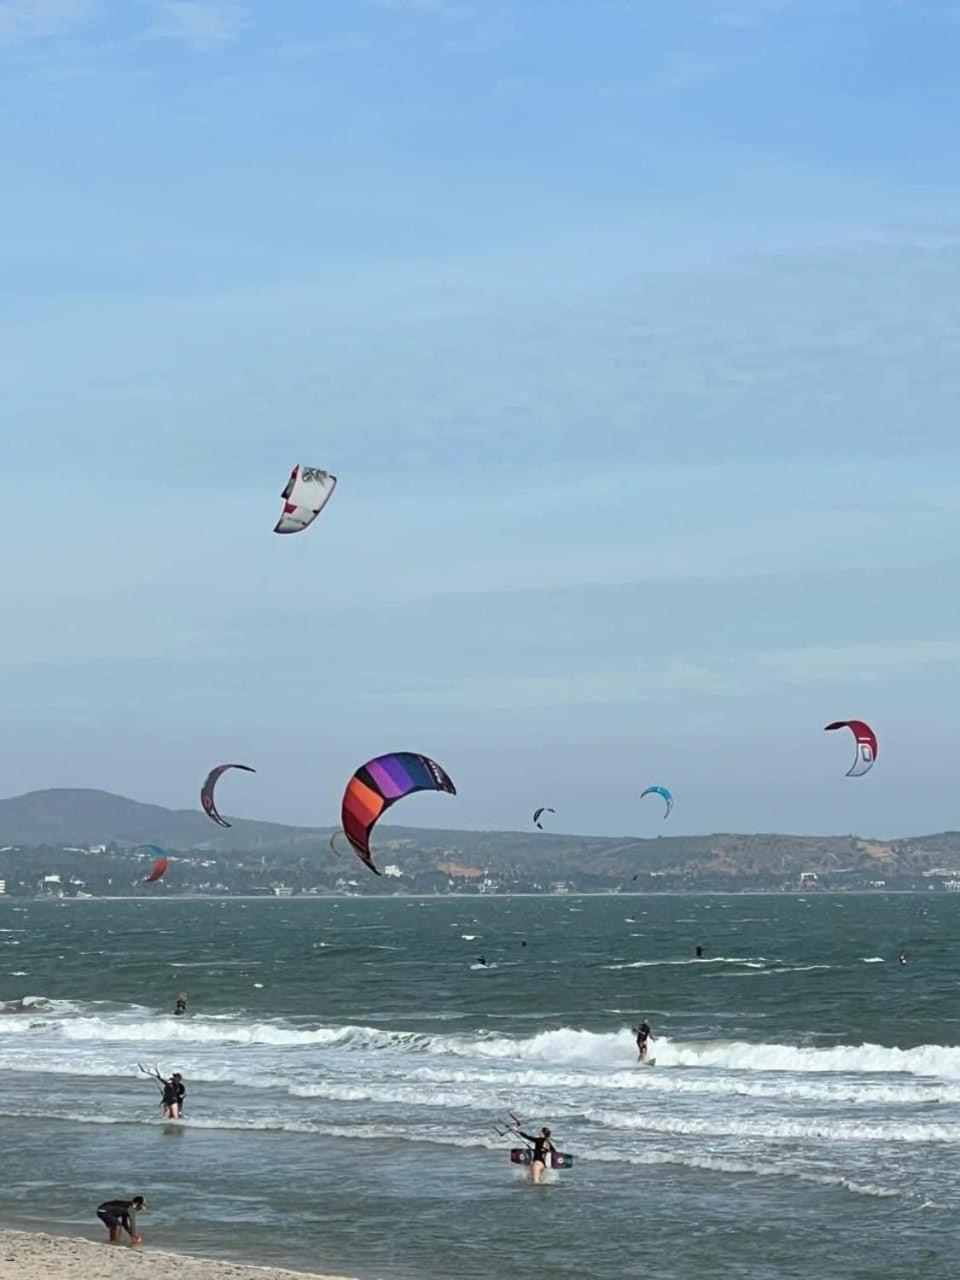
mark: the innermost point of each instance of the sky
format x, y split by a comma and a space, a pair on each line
631, 331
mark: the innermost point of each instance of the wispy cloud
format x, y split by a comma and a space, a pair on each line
23, 19
859, 661
442, 8
576, 689
200, 24
753, 13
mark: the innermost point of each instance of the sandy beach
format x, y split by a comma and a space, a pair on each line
28, 1256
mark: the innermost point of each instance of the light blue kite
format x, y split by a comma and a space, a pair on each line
660, 791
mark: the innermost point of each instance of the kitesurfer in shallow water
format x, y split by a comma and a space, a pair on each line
172, 1092
115, 1214
643, 1034
542, 1146
699, 953
180, 1008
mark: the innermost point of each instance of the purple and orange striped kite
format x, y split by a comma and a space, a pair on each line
380, 783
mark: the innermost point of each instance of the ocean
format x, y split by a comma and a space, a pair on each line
347, 1064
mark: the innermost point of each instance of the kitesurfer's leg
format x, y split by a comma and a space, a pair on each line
112, 1225
536, 1171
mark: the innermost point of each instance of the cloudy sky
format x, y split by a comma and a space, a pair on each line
631, 330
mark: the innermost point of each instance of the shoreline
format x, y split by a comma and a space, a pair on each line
444, 897
28, 1255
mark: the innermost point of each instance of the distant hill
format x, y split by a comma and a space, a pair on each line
67, 815
440, 860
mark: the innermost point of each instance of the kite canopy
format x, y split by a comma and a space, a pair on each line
537, 813
159, 861
660, 791
308, 491
863, 761
157, 870
380, 783
206, 791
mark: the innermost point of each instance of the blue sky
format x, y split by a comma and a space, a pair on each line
631, 331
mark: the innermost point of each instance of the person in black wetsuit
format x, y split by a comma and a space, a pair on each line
168, 1101
542, 1146
172, 1093
643, 1034
115, 1214
180, 1008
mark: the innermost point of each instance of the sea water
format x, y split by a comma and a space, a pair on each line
348, 1062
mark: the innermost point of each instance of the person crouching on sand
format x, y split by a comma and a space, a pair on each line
117, 1214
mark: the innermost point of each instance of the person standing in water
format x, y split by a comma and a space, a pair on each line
172, 1091
180, 1008
542, 1146
117, 1214
643, 1034
699, 952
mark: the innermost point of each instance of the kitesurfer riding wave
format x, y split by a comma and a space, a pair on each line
643, 1034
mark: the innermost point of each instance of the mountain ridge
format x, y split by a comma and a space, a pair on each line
71, 816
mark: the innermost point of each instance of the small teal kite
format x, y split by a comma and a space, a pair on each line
660, 791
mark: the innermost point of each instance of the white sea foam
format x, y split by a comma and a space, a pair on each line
381, 1133
767, 1128
561, 1047
754, 962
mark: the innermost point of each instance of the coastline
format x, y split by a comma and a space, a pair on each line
28, 1255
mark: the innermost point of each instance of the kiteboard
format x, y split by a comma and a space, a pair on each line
647, 1062
558, 1159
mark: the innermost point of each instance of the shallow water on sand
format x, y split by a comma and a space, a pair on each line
347, 1063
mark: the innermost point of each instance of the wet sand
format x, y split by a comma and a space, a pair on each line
35, 1256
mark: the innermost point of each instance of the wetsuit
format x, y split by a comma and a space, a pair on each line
541, 1146
118, 1213
181, 1007
170, 1095
181, 1092
643, 1031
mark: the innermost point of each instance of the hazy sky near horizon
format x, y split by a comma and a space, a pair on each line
632, 332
